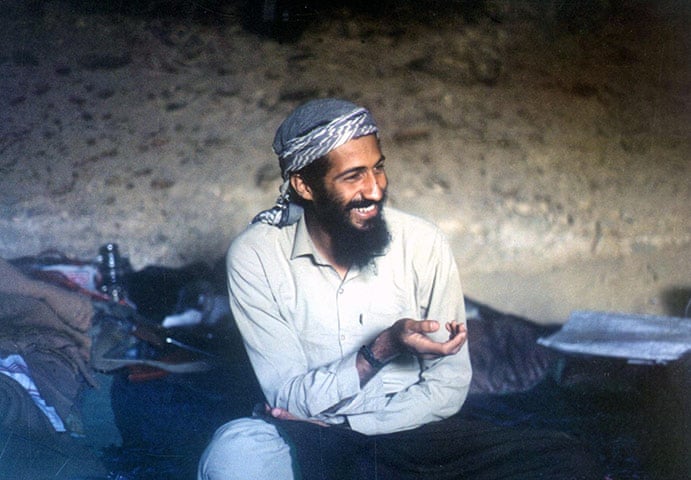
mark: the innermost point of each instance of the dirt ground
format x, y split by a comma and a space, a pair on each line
551, 146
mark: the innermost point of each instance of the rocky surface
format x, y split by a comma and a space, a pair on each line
553, 148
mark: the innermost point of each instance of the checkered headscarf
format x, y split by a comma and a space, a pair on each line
309, 133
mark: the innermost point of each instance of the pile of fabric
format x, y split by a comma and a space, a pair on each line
57, 369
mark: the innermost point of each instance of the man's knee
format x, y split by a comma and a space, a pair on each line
246, 448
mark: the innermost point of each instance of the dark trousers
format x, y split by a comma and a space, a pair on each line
455, 448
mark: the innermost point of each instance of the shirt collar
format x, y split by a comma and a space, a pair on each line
302, 242
303, 246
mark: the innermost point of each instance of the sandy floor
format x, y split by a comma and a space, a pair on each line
554, 154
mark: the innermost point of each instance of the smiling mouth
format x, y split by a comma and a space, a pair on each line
365, 214
365, 210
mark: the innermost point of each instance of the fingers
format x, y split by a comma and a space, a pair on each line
283, 414
450, 347
426, 326
454, 328
74, 309
457, 337
83, 313
417, 342
82, 339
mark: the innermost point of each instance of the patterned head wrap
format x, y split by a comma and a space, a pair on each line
309, 133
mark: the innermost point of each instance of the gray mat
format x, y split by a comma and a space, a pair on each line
638, 338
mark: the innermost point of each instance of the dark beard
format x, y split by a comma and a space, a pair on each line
351, 246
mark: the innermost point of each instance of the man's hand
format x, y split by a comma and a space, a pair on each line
74, 309
412, 336
283, 414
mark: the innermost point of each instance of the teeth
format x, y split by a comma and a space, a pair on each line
365, 209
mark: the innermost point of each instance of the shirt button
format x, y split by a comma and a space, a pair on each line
343, 337
340, 290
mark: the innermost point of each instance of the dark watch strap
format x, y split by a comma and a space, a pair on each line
371, 359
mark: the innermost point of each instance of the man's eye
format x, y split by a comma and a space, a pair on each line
353, 177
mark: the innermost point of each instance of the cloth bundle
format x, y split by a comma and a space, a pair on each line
56, 368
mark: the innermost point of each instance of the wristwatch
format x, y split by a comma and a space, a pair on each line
371, 359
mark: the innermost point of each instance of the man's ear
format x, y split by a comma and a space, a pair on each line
300, 186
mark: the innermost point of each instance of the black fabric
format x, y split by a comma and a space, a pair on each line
504, 351
456, 448
19, 413
321, 453
155, 290
55, 457
609, 423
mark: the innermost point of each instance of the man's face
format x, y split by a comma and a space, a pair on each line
348, 202
356, 180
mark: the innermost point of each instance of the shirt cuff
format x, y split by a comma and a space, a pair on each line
347, 377
355, 399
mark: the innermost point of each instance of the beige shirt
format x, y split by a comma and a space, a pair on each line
302, 324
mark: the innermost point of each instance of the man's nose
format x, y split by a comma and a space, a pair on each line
374, 186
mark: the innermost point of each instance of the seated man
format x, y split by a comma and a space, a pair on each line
353, 319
